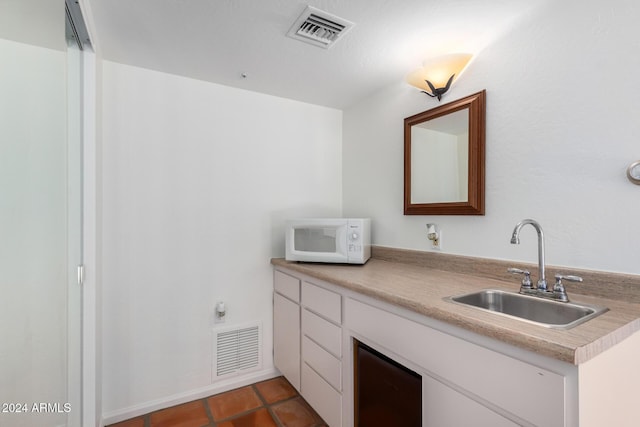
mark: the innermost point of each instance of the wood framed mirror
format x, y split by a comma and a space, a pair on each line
444, 159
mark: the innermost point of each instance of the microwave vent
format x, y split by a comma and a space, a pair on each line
319, 28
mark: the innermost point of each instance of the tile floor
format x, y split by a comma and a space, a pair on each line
271, 403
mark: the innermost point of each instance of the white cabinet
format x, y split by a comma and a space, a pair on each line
323, 332
286, 327
509, 386
287, 286
464, 381
323, 302
445, 407
307, 340
322, 351
286, 338
324, 363
326, 401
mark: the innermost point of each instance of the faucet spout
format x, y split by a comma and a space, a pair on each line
515, 240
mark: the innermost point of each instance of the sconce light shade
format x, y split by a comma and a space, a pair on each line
436, 75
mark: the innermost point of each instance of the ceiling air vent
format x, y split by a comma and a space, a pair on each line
319, 28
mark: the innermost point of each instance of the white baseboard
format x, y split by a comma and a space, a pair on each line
188, 396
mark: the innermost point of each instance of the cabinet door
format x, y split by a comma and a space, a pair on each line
445, 407
286, 338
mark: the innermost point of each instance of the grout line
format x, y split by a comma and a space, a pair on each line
269, 406
249, 411
274, 417
257, 392
207, 409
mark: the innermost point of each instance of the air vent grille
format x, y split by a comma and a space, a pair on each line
319, 28
237, 350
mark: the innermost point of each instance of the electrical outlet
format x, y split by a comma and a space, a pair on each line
436, 244
220, 312
434, 234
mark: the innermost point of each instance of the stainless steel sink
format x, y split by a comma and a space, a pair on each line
544, 312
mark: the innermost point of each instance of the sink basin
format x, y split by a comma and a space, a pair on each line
544, 312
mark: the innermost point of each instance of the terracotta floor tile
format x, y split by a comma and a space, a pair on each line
243, 407
276, 390
296, 413
233, 402
259, 418
192, 414
134, 422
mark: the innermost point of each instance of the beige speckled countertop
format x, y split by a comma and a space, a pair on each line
423, 289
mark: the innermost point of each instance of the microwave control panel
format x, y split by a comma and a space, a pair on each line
355, 245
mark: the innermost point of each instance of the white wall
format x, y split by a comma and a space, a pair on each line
33, 227
197, 180
562, 126
35, 22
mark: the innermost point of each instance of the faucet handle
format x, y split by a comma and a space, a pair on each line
525, 285
570, 278
559, 292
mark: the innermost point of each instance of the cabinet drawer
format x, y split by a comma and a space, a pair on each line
326, 401
323, 362
326, 334
321, 301
286, 285
444, 406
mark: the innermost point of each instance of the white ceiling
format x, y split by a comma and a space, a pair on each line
219, 40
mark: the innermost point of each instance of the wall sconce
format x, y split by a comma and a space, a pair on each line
436, 75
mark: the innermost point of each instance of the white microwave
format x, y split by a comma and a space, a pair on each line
331, 240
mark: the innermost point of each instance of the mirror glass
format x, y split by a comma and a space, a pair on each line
445, 138
444, 159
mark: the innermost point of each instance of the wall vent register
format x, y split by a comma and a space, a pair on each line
319, 28
237, 350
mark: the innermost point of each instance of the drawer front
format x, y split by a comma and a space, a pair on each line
446, 407
323, 332
323, 362
286, 285
326, 303
326, 401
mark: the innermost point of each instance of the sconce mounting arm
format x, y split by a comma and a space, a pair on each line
438, 92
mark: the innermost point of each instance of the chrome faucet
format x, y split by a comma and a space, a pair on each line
515, 240
558, 292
